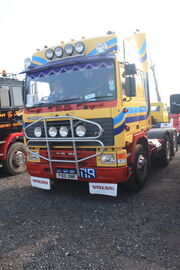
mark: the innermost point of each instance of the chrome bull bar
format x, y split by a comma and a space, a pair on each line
72, 139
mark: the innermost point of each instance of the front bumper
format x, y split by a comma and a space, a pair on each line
103, 174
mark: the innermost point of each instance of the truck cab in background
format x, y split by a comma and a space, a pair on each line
12, 149
159, 114
175, 113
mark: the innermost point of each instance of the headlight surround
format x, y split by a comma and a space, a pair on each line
80, 131
52, 131
101, 47
63, 131
49, 54
69, 49
58, 52
79, 47
38, 131
108, 159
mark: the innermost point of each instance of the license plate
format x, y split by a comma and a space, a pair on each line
69, 174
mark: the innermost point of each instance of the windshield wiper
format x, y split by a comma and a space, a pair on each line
41, 104
61, 101
95, 98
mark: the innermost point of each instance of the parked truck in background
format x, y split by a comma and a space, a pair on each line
12, 149
87, 115
175, 113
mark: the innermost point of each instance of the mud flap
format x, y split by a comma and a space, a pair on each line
39, 182
103, 189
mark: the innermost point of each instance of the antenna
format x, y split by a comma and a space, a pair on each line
152, 67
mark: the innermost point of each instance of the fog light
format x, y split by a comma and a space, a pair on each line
63, 131
38, 131
80, 131
108, 159
53, 131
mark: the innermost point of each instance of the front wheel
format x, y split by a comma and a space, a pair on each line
140, 169
15, 162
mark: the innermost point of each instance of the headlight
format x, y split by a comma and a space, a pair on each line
27, 63
80, 131
69, 49
79, 47
53, 131
108, 159
63, 131
101, 47
38, 131
49, 54
58, 52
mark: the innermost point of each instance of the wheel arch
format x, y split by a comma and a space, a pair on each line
11, 138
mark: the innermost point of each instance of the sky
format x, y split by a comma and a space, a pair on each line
27, 25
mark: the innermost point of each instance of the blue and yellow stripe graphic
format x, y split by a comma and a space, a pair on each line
129, 119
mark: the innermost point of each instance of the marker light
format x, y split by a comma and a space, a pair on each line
53, 131
80, 130
58, 51
27, 63
101, 47
49, 54
69, 49
79, 47
63, 131
38, 131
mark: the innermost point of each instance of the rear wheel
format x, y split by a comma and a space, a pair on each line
16, 159
165, 155
174, 144
140, 170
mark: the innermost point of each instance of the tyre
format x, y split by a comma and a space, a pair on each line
15, 162
178, 140
140, 169
165, 154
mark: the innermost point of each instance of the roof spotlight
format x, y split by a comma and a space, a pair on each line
69, 49
79, 47
58, 51
49, 54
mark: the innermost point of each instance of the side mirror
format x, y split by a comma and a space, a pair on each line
130, 87
130, 69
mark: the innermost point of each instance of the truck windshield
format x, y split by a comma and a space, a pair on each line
11, 96
77, 83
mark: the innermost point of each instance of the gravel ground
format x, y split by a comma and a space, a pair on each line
69, 229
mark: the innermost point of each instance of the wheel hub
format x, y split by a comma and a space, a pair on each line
168, 150
141, 167
19, 158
